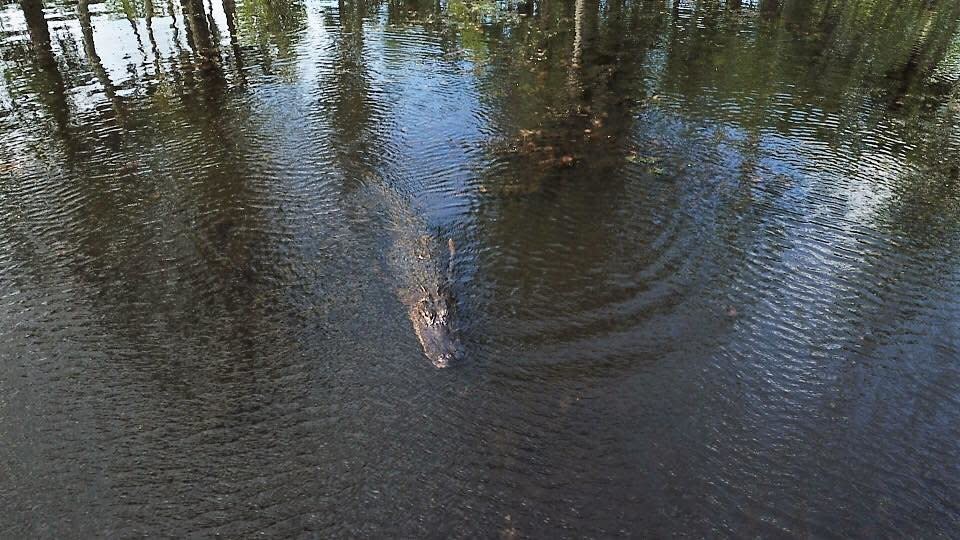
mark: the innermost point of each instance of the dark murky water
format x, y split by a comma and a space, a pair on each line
707, 276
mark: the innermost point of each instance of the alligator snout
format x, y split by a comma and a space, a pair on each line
432, 322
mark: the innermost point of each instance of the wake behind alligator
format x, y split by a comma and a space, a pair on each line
423, 285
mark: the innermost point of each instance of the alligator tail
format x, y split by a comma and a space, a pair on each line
453, 252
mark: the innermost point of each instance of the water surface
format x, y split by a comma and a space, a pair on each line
707, 270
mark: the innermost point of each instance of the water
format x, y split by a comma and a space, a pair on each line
707, 275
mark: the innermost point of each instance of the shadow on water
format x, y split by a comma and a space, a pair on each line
706, 267
46, 76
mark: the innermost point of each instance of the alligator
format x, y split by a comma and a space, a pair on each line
424, 288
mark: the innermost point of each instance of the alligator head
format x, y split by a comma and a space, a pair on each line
433, 323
